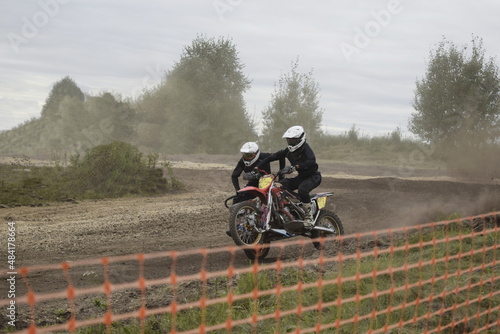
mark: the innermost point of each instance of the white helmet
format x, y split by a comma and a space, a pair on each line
295, 137
250, 152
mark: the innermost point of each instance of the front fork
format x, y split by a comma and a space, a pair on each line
266, 213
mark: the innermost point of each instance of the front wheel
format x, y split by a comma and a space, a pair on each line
258, 253
328, 220
243, 222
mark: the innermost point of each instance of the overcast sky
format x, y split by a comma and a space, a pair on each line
365, 55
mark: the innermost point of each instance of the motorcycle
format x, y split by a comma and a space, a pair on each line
275, 214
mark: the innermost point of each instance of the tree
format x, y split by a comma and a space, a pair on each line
204, 107
294, 102
115, 169
153, 115
65, 87
72, 113
110, 116
457, 103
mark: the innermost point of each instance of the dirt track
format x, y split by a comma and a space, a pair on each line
196, 217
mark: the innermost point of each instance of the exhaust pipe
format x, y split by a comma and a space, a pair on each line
324, 229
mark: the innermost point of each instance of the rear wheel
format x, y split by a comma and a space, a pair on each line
328, 220
243, 222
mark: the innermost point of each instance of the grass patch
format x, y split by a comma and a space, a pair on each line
442, 277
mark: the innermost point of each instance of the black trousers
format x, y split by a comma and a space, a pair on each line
303, 184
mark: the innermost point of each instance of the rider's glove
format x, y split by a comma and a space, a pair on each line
288, 170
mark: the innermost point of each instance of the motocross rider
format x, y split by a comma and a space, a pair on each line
251, 157
303, 160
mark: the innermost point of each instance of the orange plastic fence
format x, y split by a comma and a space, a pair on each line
433, 278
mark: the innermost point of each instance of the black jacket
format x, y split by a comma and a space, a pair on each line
241, 167
304, 158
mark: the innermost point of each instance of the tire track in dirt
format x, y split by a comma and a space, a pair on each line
196, 217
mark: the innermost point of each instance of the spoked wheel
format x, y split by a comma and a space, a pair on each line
245, 217
328, 220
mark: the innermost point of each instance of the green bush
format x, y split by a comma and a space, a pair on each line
114, 170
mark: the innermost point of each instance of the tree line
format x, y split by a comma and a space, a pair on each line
198, 107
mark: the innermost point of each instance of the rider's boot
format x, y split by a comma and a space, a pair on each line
308, 218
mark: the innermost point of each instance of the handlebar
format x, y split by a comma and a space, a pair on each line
255, 174
258, 173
